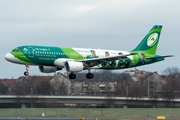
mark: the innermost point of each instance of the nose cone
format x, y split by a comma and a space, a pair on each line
9, 57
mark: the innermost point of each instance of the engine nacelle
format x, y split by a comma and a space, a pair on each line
74, 66
48, 69
60, 62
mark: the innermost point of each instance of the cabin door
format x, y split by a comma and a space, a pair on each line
31, 51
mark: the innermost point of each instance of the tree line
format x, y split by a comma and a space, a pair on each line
126, 86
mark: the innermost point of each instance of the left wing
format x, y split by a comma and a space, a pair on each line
96, 61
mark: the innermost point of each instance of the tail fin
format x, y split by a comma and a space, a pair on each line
150, 41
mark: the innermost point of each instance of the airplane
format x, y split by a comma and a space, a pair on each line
51, 59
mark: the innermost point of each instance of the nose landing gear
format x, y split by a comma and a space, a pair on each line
26, 73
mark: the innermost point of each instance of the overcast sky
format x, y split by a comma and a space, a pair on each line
106, 24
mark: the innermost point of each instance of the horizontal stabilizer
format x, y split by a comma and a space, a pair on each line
165, 56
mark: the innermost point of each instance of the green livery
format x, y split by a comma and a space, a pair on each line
51, 58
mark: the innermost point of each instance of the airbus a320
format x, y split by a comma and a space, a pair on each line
54, 58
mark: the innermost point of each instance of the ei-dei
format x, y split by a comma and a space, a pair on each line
53, 58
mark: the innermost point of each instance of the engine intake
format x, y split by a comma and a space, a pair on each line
60, 62
74, 66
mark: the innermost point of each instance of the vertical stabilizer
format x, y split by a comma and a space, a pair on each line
150, 41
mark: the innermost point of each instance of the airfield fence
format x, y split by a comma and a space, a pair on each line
90, 112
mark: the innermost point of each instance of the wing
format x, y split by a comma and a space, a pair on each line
96, 61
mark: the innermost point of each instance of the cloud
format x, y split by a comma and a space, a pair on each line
80, 10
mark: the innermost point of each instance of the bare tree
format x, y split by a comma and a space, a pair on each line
121, 89
169, 89
3, 88
60, 87
172, 87
43, 88
170, 71
22, 88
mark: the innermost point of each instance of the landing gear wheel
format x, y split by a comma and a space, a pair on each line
89, 76
26, 73
72, 76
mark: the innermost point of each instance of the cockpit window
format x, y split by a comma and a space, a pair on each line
16, 50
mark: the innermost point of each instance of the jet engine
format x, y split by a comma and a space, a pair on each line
48, 69
60, 62
74, 66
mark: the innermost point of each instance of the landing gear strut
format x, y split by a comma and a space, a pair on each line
26, 73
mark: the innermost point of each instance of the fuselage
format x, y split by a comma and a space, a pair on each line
46, 56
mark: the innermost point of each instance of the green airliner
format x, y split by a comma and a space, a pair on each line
51, 59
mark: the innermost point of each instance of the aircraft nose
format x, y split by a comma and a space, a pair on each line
9, 57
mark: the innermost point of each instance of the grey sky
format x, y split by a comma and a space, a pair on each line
106, 24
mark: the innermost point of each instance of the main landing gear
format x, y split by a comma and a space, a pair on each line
72, 76
26, 73
88, 76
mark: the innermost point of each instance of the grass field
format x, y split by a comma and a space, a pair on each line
91, 112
